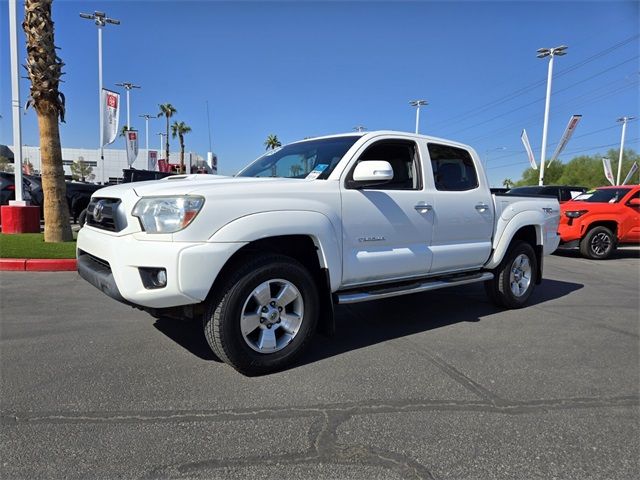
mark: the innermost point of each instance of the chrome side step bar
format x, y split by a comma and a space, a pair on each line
425, 286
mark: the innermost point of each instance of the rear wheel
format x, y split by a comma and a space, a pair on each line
264, 316
599, 243
515, 277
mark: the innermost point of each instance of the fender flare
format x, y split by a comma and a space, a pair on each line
315, 225
503, 240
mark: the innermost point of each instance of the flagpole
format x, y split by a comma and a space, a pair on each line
15, 104
101, 102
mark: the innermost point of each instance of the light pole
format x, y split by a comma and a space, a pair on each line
624, 121
128, 86
418, 104
15, 103
162, 135
146, 117
551, 53
101, 20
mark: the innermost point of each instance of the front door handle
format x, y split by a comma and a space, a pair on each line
482, 207
423, 207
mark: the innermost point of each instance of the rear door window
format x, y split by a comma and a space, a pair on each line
453, 168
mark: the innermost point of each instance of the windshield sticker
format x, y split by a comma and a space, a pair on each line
315, 173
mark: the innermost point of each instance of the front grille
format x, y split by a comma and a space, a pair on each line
98, 263
104, 213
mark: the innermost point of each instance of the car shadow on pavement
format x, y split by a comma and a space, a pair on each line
188, 334
365, 324
620, 253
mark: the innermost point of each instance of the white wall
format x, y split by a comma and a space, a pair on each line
114, 160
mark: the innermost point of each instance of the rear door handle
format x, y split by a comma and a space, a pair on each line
481, 207
423, 207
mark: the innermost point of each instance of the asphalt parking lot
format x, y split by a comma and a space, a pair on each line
439, 385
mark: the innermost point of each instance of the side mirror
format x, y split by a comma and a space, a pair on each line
370, 173
634, 202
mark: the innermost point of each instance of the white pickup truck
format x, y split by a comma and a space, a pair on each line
264, 256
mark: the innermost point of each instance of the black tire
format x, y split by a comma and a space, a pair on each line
82, 218
500, 289
598, 244
222, 319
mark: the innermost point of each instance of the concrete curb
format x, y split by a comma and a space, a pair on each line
38, 264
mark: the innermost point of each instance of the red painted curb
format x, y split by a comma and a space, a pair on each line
51, 265
38, 264
12, 264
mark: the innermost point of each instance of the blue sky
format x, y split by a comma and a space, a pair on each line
299, 69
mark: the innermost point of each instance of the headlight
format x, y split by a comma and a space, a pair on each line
167, 214
575, 213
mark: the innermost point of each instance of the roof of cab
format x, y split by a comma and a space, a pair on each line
375, 133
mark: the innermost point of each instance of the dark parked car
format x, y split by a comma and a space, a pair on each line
133, 175
563, 193
7, 188
78, 194
31, 187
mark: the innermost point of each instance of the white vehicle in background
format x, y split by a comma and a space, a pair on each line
262, 257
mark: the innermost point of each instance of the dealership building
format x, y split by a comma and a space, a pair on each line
114, 161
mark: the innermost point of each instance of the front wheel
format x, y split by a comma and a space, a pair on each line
599, 243
264, 316
514, 278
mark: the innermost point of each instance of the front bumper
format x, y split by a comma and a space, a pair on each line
111, 263
570, 233
98, 274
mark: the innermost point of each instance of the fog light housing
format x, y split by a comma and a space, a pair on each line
153, 278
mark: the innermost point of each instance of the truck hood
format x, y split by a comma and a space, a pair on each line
191, 184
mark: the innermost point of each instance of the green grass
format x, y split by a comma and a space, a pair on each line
32, 245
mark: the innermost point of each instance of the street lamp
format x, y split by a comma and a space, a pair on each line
417, 104
146, 117
624, 121
128, 86
101, 20
551, 53
162, 135
15, 105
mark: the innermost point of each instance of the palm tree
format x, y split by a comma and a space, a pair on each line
123, 130
179, 129
272, 142
167, 110
507, 183
45, 69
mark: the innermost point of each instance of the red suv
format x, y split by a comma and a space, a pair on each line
598, 220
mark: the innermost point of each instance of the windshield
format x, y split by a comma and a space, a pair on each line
310, 159
606, 195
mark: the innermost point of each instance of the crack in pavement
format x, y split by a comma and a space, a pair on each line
453, 373
324, 445
513, 407
323, 438
324, 449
